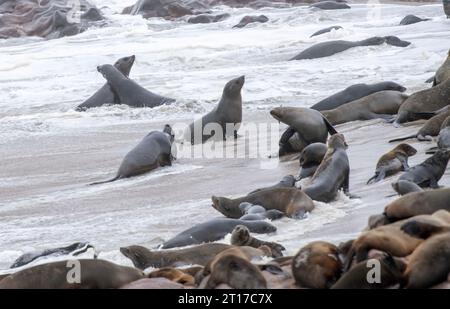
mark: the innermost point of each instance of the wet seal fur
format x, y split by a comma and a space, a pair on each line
241, 237
310, 159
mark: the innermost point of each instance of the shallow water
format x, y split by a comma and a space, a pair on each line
49, 152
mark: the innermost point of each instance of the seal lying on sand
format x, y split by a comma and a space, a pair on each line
241, 237
105, 95
353, 93
326, 49
153, 151
393, 162
74, 250
128, 91
382, 104
428, 173
293, 202
95, 274
226, 116
215, 229
332, 174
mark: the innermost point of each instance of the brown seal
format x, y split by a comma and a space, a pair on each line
429, 263
424, 227
317, 265
241, 237
143, 258
393, 162
173, 274
94, 274
443, 73
293, 202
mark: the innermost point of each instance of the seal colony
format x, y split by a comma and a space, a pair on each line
410, 239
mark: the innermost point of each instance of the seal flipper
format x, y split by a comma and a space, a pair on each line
106, 181
403, 138
330, 127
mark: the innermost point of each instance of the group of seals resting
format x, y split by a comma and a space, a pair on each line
326, 49
155, 150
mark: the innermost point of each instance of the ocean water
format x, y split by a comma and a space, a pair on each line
49, 152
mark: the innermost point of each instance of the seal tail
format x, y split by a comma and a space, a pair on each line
402, 138
330, 127
105, 181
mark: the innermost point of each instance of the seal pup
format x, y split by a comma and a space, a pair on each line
213, 230
356, 278
310, 159
228, 112
309, 125
257, 212
95, 274
417, 203
412, 19
330, 48
430, 128
428, 100
291, 201
326, 30
443, 73
428, 264
73, 249
143, 258
393, 162
404, 187
353, 93
241, 237
382, 104
128, 91
330, 5
332, 174
429, 172
233, 268
155, 150
317, 265
105, 95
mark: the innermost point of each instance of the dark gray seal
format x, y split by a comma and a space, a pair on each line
95, 274
403, 187
228, 113
207, 18
378, 105
330, 5
428, 173
326, 49
353, 93
251, 19
446, 4
128, 91
213, 230
412, 19
393, 162
428, 100
332, 174
310, 159
241, 237
326, 30
257, 212
154, 151
105, 95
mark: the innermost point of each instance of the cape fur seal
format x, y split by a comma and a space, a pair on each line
226, 116
287, 182
215, 229
95, 274
428, 173
73, 249
428, 100
173, 274
326, 30
143, 258
443, 139
404, 187
426, 226
431, 128
353, 93
105, 95
382, 104
326, 49
330, 5
128, 91
310, 159
155, 150
428, 264
293, 202
332, 174
393, 162
207, 18
317, 265
412, 19
241, 237
443, 73
251, 19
